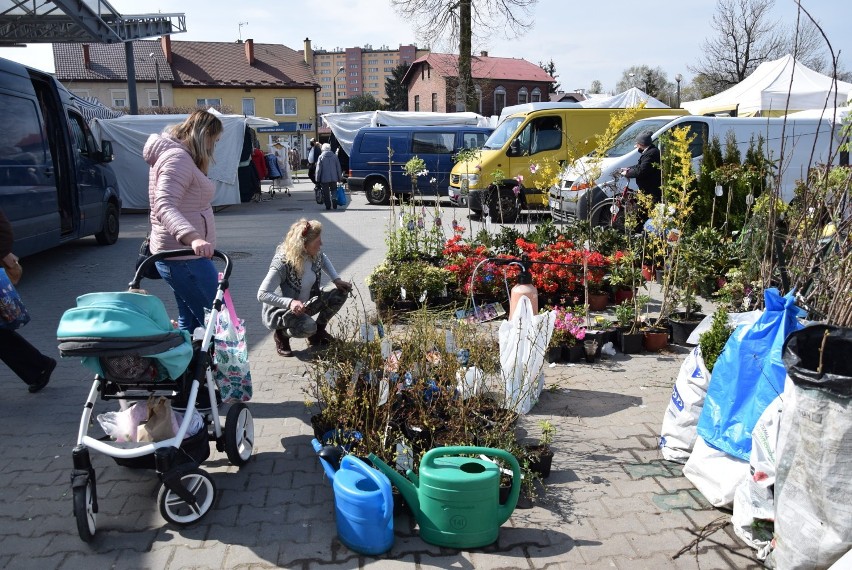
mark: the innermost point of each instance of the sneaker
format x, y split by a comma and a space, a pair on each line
44, 378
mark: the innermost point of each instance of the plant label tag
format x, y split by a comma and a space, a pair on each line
403, 293
384, 391
386, 347
450, 342
488, 226
423, 297
368, 333
404, 457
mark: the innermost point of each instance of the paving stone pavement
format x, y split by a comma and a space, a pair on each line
611, 501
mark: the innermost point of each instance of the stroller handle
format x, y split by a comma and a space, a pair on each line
137, 278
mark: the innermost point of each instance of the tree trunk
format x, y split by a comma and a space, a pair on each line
465, 75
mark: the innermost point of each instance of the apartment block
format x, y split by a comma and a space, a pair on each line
357, 71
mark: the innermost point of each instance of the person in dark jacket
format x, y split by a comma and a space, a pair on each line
16, 352
647, 170
313, 156
328, 174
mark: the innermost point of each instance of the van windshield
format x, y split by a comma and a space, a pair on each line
502, 133
626, 140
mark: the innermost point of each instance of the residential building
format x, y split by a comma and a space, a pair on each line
364, 71
268, 80
433, 83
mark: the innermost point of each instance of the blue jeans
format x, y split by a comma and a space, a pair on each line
194, 283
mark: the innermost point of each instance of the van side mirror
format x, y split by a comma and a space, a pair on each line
514, 147
106, 151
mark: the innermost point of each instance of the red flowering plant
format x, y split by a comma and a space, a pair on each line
557, 268
462, 258
596, 268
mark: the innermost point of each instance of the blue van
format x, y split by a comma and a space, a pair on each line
55, 184
369, 164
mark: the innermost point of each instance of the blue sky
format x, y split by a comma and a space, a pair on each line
586, 41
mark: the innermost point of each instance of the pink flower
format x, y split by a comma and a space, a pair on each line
519, 178
533, 168
516, 190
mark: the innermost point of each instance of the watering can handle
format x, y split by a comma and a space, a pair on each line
378, 478
505, 511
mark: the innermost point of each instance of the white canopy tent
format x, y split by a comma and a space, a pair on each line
773, 88
630, 98
346, 125
129, 133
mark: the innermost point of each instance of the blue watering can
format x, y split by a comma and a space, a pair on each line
363, 504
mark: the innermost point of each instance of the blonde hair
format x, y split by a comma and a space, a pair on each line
292, 249
196, 132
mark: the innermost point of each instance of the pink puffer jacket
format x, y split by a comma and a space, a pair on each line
179, 194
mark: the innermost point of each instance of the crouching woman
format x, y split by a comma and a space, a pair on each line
292, 281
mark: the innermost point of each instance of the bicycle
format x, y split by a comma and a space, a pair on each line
618, 203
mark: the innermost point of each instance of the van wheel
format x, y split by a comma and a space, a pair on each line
377, 191
109, 232
507, 206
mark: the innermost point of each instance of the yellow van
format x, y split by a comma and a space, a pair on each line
528, 148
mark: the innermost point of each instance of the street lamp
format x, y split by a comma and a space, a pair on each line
157, 72
678, 79
334, 86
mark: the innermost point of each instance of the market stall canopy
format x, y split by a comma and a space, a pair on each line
630, 98
129, 133
834, 114
346, 125
775, 86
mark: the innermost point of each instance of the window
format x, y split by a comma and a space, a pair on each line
84, 142
499, 99
432, 143
378, 143
119, 97
474, 140
539, 135
80, 92
372, 62
353, 74
536, 95
417, 102
23, 140
284, 106
248, 106
153, 100
208, 102
523, 96
434, 102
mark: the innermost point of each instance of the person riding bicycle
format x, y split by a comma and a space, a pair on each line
647, 170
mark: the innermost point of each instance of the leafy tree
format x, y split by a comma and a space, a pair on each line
459, 21
748, 35
596, 86
397, 92
550, 68
365, 102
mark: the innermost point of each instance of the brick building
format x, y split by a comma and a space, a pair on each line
499, 82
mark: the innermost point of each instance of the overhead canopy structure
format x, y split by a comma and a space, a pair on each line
346, 125
129, 133
775, 88
630, 98
75, 21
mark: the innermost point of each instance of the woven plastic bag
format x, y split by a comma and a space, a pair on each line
13, 312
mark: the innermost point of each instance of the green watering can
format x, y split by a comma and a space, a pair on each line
456, 498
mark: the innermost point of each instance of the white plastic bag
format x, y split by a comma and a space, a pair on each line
715, 473
678, 433
523, 342
122, 425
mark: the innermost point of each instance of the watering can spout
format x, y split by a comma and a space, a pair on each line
406, 487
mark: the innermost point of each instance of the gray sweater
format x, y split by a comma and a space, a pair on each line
281, 285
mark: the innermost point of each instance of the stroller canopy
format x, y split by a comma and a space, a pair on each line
123, 323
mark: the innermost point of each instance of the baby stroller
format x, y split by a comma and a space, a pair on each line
128, 340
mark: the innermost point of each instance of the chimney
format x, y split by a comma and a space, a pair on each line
249, 45
87, 60
166, 45
309, 53
483, 54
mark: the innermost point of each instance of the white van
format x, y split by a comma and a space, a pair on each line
807, 142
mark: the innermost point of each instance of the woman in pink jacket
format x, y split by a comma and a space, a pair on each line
181, 216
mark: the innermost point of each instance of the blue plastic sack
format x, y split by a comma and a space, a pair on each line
13, 312
748, 375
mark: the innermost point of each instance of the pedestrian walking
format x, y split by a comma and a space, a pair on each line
328, 174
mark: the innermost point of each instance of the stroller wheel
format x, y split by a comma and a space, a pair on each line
239, 434
177, 511
84, 511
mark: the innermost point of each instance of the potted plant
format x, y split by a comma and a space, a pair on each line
541, 455
629, 337
571, 332
624, 276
